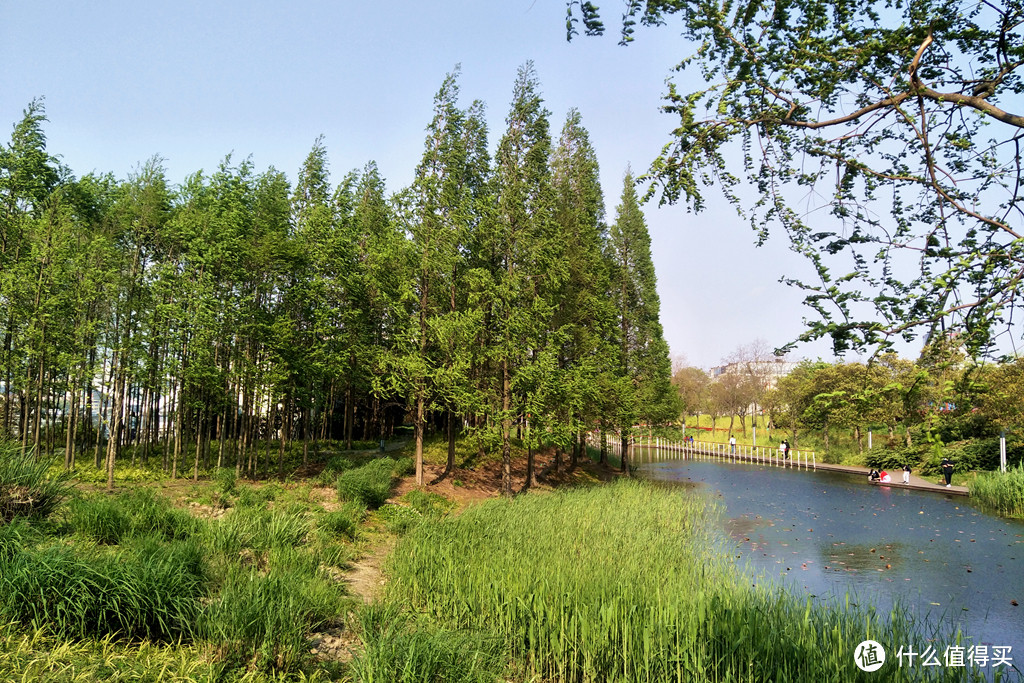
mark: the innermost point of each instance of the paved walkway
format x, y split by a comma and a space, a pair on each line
916, 482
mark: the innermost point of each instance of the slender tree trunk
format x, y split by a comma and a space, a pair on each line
221, 419
604, 447
506, 431
531, 479
305, 436
285, 428
70, 416
179, 417
418, 420
627, 446
449, 465
112, 442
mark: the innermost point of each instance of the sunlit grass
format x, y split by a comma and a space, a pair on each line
627, 582
1001, 492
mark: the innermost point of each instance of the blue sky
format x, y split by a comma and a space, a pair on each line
193, 81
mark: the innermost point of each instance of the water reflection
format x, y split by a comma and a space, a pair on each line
829, 535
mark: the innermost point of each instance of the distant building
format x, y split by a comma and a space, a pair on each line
767, 371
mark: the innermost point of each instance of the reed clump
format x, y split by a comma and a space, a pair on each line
627, 582
398, 650
370, 483
1001, 492
29, 487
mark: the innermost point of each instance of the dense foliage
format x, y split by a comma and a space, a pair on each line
195, 322
944, 404
880, 135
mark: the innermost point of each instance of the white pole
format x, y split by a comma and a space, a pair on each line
869, 439
1002, 451
755, 436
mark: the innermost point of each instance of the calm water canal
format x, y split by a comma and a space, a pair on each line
829, 535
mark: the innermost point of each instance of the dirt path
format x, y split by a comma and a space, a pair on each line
365, 579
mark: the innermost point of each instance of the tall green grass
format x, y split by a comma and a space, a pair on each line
369, 484
37, 656
28, 487
1002, 493
256, 529
261, 619
151, 595
109, 520
395, 650
14, 535
627, 582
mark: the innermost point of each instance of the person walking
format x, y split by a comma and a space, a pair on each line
906, 473
732, 445
785, 450
947, 470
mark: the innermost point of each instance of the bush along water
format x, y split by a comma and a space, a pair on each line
1001, 492
628, 582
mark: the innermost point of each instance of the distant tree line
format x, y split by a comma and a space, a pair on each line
194, 323
942, 397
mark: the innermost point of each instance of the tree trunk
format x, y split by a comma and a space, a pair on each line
627, 444
531, 479
418, 420
506, 431
70, 421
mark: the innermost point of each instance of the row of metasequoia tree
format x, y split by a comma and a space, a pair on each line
195, 322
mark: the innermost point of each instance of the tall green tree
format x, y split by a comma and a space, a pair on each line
445, 195
584, 315
527, 258
645, 390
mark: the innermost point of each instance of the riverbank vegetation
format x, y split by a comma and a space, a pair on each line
624, 582
222, 580
944, 404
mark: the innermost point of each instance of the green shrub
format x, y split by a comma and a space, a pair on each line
109, 520
257, 496
428, 503
343, 522
335, 554
13, 537
335, 465
151, 513
29, 487
256, 529
227, 482
279, 530
100, 518
369, 484
398, 519
154, 595
265, 618
404, 467
395, 651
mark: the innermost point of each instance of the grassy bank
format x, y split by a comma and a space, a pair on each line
132, 586
238, 582
1001, 492
625, 582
